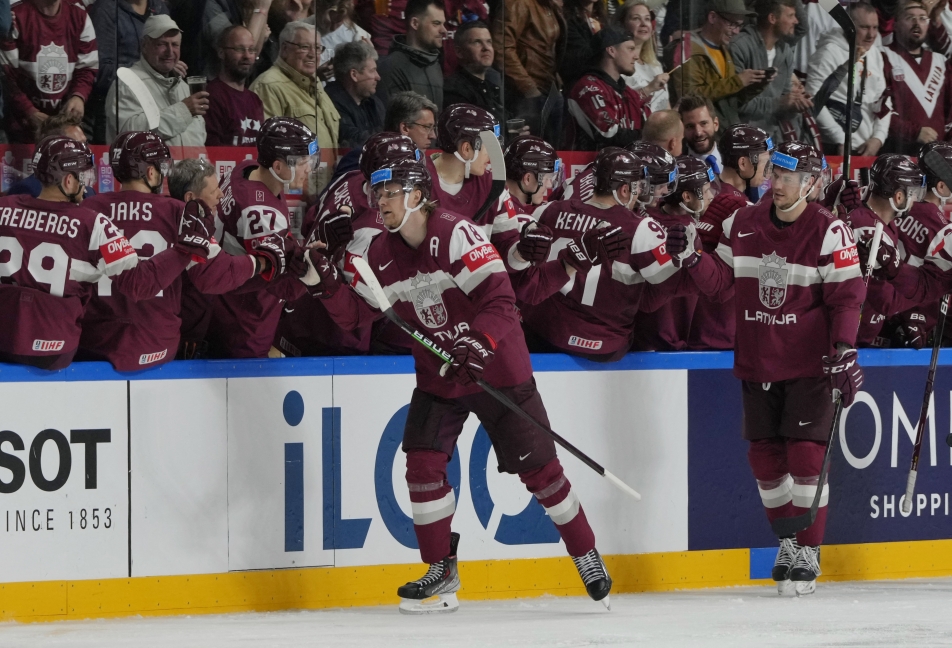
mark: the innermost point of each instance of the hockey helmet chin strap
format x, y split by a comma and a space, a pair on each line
907, 205
803, 196
407, 210
157, 188
696, 215
632, 201
942, 199
72, 197
286, 183
476, 146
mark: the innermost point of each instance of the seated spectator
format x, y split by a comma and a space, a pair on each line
353, 93
583, 19
49, 62
702, 64
235, 114
529, 45
649, 80
161, 72
829, 61
61, 125
412, 115
280, 14
764, 47
413, 62
700, 130
665, 129
605, 111
122, 40
216, 16
475, 81
336, 25
291, 89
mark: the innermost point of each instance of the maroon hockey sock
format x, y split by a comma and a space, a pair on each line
432, 501
555, 494
805, 459
768, 461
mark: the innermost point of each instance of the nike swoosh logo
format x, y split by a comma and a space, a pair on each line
807, 423
384, 266
524, 456
742, 235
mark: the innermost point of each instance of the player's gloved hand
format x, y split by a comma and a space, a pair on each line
322, 277
683, 245
535, 241
722, 207
845, 193
196, 230
470, 355
602, 244
336, 230
276, 251
887, 263
846, 376
914, 328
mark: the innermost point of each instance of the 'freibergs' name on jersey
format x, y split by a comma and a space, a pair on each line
39, 221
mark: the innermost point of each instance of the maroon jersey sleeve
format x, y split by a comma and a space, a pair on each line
843, 288
224, 273
605, 114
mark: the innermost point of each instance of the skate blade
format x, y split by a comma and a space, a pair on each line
441, 603
786, 588
607, 603
805, 588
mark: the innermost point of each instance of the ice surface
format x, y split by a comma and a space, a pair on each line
891, 613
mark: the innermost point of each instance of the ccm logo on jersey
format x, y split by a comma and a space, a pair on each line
475, 259
846, 258
48, 345
582, 343
116, 249
149, 358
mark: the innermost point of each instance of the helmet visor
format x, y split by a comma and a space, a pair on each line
552, 179
87, 177
916, 194
667, 188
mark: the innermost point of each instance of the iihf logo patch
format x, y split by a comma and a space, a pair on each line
773, 280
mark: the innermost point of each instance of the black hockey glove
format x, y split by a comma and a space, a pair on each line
196, 230
602, 244
683, 245
846, 376
470, 355
276, 250
535, 241
336, 230
844, 193
322, 277
888, 262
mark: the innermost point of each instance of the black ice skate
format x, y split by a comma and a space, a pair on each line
805, 570
782, 566
440, 581
598, 583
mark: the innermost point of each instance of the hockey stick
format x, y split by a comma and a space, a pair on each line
938, 165
142, 95
789, 526
842, 18
491, 142
367, 276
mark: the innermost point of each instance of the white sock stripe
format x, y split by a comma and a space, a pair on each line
430, 512
803, 495
550, 490
777, 496
425, 488
566, 510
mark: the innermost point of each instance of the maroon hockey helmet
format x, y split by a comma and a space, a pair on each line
57, 157
464, 123
384, 148
744, 140
942, 148
407, 172
283, 137
893, 172
530, 154
693, 174
614, 166
661, 165
133, 152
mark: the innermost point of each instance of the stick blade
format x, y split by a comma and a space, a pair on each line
939, 166
143, 96
370, 279
789, 526
496, 157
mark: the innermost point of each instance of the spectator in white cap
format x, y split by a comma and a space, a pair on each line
162, 75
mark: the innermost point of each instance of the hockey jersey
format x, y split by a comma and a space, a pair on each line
797, 290
46, 59
921, 96
55, 251
605, 112
454, 283
581, 186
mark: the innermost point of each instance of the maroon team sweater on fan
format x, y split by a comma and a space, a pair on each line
234, 117
797, 290
454, 283
921, 96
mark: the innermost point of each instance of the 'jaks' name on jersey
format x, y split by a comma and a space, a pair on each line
130, 211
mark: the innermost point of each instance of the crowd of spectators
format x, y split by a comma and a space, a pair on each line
581, 74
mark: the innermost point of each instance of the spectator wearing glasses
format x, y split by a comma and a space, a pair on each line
414, 59
701, 63
412, 115
291, 89
475, 81
235, 114
353, 93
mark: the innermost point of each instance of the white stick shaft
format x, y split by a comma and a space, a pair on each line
874, 247
910, 490
622, 486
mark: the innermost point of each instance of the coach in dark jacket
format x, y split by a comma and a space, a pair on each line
413, 62
353, 93
475, 81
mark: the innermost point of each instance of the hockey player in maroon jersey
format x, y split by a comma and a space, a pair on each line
896, 184
135, 335
615, 260
53, 250
253, 211
798, 290
668, 327
345, 222
662, 175
445, 276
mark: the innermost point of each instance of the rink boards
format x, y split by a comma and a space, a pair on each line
221, 486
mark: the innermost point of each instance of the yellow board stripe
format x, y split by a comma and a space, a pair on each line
315, 588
